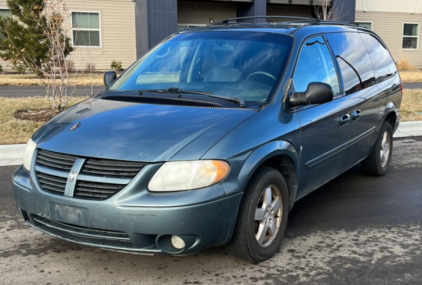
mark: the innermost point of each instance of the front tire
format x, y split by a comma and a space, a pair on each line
262, 217
378, 162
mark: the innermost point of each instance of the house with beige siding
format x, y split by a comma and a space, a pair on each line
124, 30
398, 23
101, 31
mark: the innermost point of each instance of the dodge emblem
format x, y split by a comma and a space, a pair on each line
72, 176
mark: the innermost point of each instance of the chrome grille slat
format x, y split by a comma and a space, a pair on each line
109, 173
52, 178
82, 189
56, 155
112, 168
54, 165
98, 179
52, 188
92, 195
101, 186
116, 163
53, 183
49, 159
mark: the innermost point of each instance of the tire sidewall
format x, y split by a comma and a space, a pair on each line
386, 127
271, 178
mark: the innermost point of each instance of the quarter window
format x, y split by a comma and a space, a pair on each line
410, 36
382, 61
315, 64
354, 61
86, 29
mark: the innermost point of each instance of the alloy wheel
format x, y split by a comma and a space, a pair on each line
268, 216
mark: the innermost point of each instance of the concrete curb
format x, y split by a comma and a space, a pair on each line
12, 154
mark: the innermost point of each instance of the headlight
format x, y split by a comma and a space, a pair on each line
28, 154
187, 175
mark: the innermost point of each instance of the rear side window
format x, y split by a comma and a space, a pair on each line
315, 64
384, 65
354, 61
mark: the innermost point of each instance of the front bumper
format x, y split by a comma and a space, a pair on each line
124, 226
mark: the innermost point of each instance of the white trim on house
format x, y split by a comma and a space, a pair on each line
369, 22
99, 30
417, 36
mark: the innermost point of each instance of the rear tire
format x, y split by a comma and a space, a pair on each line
378, 162
262, 217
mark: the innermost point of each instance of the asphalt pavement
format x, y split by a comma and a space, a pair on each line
415, 85
356, 229
28, 91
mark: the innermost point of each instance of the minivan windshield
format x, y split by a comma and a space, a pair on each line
243, 65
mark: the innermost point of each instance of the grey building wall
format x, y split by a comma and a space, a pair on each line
346, 8
157, 19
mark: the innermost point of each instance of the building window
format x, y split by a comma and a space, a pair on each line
410, 36
86, 29
5, 12
366, 25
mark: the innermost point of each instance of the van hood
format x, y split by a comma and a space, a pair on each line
137, 132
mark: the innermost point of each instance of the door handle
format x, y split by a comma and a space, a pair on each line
356, 114
344, 119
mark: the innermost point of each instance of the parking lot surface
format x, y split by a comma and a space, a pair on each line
354, 230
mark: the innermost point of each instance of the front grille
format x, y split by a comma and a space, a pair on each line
55, 161
98, 179
96, 190
112, 168
53, 184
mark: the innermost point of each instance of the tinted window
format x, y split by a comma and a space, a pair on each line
354, 61
384, 65
315, 64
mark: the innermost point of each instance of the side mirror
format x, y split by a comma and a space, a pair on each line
109, 78
317, 93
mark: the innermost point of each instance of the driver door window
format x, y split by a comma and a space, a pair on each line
315, 64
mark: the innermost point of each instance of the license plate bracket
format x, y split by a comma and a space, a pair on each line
69, 214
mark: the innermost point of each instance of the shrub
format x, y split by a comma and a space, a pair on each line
116, 65
70, 66
1, 68
405, 65
90, 67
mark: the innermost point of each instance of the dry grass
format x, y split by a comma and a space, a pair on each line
411, 76
14, 131
32, 80
405, 65
412, 105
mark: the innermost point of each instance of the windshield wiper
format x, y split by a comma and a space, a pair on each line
174, 90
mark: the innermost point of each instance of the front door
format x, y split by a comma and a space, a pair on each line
324, 127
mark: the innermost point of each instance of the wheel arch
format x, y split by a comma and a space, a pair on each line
391, 114
280, 155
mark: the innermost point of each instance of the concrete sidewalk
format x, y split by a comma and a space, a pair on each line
12, 154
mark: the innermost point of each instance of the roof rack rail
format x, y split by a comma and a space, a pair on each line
269, 17
341, 23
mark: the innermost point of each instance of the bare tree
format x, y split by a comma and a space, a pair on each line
55, 73
325, 11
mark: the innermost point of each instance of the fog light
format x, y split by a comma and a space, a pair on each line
177, 242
